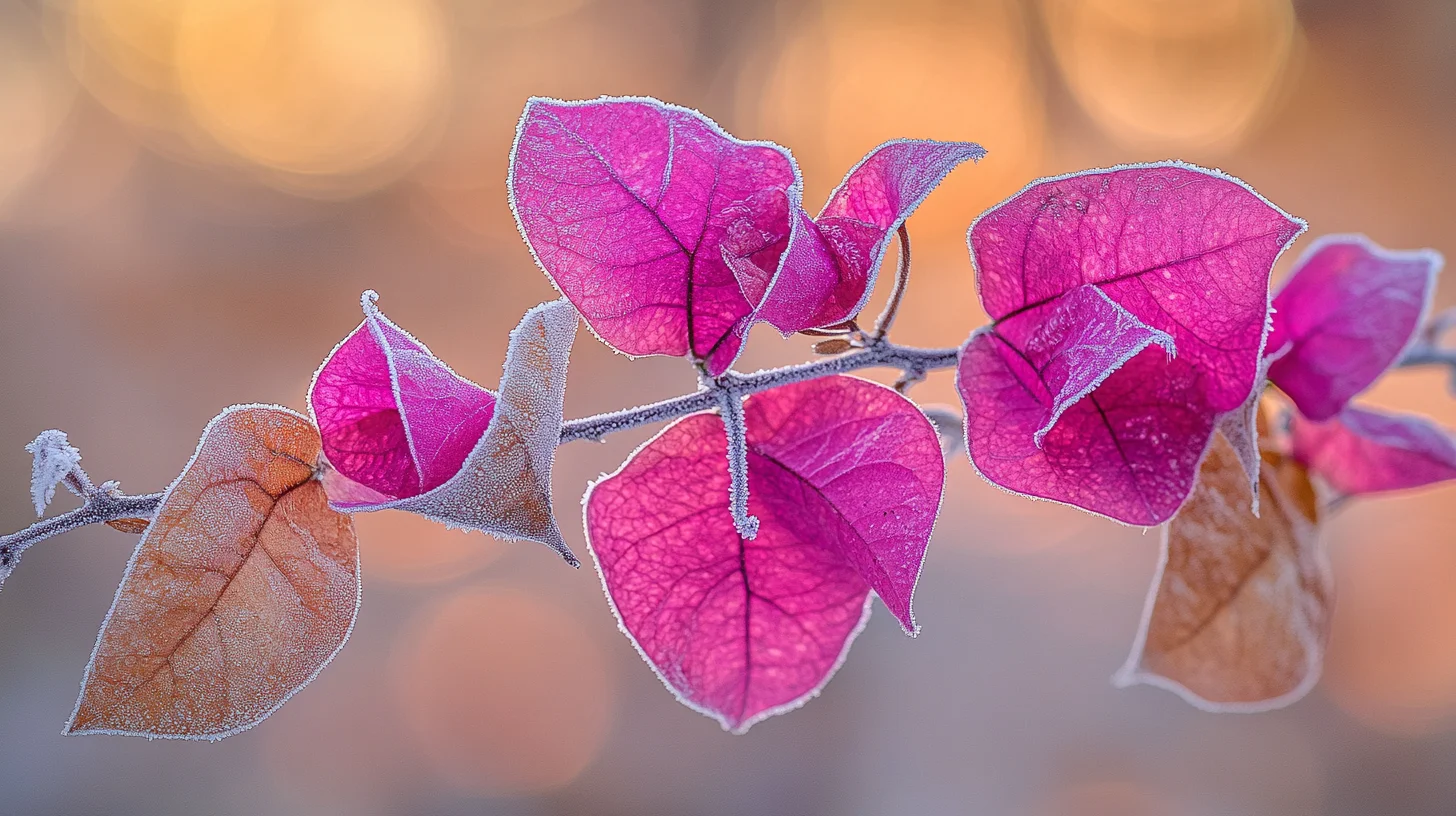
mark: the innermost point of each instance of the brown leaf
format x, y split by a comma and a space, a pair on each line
129, 525
244, 586
1239, 613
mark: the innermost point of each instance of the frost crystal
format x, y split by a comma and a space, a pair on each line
55, 458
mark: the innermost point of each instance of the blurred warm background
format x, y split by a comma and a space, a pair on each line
194, 192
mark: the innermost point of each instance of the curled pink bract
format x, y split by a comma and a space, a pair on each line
626, 203
1346, 314
402, 431
845, 477
1363, 451
1185, 253
832, 260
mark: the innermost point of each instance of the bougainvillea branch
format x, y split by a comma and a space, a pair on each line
1132, 358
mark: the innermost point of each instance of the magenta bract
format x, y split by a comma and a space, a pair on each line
1186, 253
626, 203
845, 477
1346, 314
1364, 451
394, 418
832, 260
401, 431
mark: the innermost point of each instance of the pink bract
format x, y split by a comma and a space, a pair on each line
1364, 451
1186, 253
394, 417
1346, 314
832, 260
626, 203
845, 477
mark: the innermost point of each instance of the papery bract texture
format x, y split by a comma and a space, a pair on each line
393, 417
832, 260
501, 484
1346, 315
1083, 409
1363, 451
626, 203
1187, 252
242, 589
1239, 613
845, 477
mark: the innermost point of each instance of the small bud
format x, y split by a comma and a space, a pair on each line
837, 345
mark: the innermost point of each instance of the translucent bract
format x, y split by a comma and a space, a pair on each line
845, 477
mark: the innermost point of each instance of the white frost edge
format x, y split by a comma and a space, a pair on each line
976, 268
883, 246
1433, 259
795, 193
67, 731
1131, 673
1161, 338
1301, 225
797, 702
406, 503
966, 440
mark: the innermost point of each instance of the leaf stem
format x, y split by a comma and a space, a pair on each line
735, 426
902, 280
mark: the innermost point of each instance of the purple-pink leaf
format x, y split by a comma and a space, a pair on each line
626, 203
832, 260
1184, 252
1346, 314
394, 418
1363, 451
402, 431
845, 478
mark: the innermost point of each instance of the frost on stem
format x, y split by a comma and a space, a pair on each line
55, 459
730, 405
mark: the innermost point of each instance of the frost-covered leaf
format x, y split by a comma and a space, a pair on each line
53, 459
1346, 314
243, 588
845, 478
1239, 612
1364, 451
1244, 426
1185, 251
626, 203
1083, 409
402, 431
832, 260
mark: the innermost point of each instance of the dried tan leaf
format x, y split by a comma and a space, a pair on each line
244, 587
1239, 613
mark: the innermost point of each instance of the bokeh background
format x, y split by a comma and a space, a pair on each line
194, 192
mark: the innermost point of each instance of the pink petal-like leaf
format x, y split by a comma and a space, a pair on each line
1346, 314
1062, 413
1185, 251
626, 203
1239, 612
1188, 251
501, 484
845, 477
1363, 451
832, 260
394, 418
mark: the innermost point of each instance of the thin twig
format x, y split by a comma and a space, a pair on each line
101, 506
883, 355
